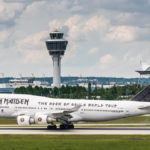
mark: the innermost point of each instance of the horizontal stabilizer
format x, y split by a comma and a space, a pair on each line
143, 96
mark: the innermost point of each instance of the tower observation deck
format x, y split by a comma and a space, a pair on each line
56, 46
143, 73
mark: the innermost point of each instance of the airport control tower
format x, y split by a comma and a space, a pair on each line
56, 46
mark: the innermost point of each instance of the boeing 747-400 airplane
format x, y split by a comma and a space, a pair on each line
29, 109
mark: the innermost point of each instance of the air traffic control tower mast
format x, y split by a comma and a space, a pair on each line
56, 46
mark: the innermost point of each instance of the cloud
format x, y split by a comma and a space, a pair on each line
33, 7
74, 24
137, 52
96, 23
85, 30
35, 57
121, 34
112, 33
144, 66
35, 41
107, 59
55, 24
33, 48
93, 51
125, 17
9, 10
4, 35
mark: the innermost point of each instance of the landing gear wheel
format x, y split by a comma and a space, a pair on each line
62, 126
51, 127
71, 126
66, 126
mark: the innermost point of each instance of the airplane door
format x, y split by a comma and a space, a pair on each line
1, 111
127, 112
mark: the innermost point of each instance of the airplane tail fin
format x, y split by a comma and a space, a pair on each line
143, 96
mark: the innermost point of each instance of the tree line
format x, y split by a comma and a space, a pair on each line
79, 92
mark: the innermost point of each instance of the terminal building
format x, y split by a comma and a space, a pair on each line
22, 82
6, 88
28, 81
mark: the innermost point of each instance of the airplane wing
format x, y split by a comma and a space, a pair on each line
144, 107
61, 116
21, 113
66, 114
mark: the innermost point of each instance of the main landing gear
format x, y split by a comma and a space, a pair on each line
51, 127
66, 126
62, 126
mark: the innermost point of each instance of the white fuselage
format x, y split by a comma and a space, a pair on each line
12, 105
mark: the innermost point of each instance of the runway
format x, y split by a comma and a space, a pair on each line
83, 130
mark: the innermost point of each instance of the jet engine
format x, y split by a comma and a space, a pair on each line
43, 119
25, 120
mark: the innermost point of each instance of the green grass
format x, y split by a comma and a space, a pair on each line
7, 121
138, 119
75, 142
110, 126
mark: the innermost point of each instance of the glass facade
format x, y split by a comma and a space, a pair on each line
56, 45
56, 52
56, 35
6, 90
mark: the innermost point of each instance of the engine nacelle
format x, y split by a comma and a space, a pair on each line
43, 119
25, 120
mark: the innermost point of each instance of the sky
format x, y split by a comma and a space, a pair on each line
105, 38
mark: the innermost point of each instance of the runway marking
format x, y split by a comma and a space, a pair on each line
83, 130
